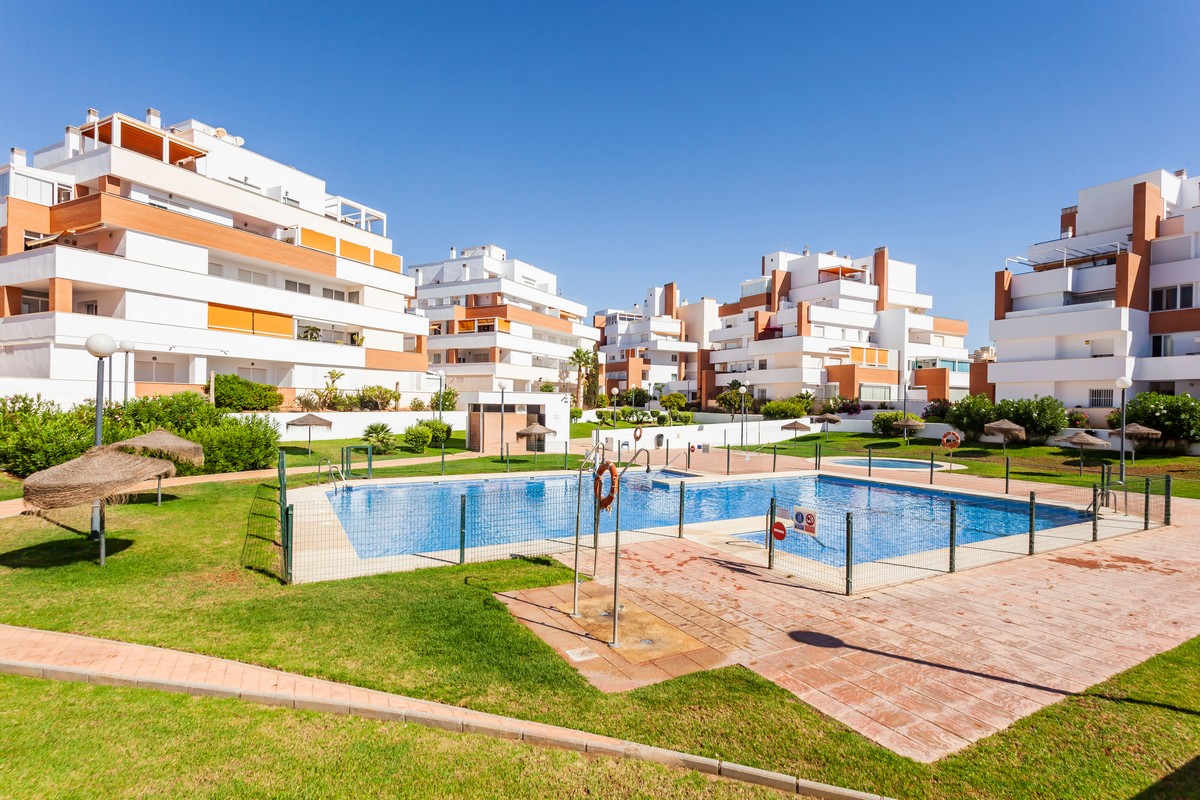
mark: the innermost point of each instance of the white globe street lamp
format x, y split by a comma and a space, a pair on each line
742, 392
1123, 383
100, 346
127, 347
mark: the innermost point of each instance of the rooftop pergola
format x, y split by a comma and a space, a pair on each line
356, 214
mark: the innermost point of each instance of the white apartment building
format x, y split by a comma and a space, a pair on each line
831, 324
1114, 296
498, 322
646, 347
209, 257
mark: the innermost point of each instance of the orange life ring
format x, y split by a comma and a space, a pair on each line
951, 440
637, 433
598, 484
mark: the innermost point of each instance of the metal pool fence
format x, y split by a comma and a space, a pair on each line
854, 551
353, 532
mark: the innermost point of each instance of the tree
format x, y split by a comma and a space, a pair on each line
584, 362
971, 413
636, 397
445, 399
673, 403
1041, 417
730, 401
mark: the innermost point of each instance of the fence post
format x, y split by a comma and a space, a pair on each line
1146, 507
1007, 465
443, 458
282, 479
1167, 501
770, 538
371, 461
682, 489
870, 460
462, 530
1032, 519
507, 464
774, 456
290, 513
849, 553
567, 455
1095, 512
817, 466
688, 460
667, 462
728, 455
953, 534
930, 467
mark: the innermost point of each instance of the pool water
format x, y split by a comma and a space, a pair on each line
398, 519
883, 462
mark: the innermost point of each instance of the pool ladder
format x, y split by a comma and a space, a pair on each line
335, 474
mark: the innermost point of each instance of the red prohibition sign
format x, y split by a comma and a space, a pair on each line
779, 531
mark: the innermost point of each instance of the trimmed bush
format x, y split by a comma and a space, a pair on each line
936, 410
882, 422
439, 431
417, 438
1077, 418
1176, 416
1041, 417
417, 404
235, 393
971, 413
784, 409
376, 398
576, 413
236, 444
379, 435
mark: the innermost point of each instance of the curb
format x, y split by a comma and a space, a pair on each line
482, 723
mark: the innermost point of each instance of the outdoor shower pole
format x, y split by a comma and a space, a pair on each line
616, 611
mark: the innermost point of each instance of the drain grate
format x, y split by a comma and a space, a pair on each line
647, 641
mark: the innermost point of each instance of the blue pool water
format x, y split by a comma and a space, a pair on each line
398, 519
884, 463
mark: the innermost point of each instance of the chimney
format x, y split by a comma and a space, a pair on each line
806, 252
453, 253
73, 143
1181, 173
153, 118
92, 116
17, 157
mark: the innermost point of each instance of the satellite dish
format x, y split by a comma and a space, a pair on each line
219, 133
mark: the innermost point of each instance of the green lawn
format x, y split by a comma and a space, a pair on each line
584, 430
298, 455
111, 742
1029, 462
177, 577
10, 487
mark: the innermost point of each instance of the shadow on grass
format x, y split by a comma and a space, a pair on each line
61, 552
292, 450
1183, 782
262, 550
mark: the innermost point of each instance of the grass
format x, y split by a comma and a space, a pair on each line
584, 430
177, 577
298, 455
1029, 462
10, 487
134, 742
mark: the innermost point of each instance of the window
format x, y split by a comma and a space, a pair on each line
1100, 398
250, 276
88, 307
1162, 387
352, 297
216, 270
818, 330
762, 394
1185, 296
436, 358
1162, 345
1169, 298
295, 286
333, 294
869, 392
762, 363
674, 359
34, 302
154, 371
256, 374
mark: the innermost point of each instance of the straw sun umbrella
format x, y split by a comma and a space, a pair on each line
1006, 429
796, 426
310, 421
163, 442
98, 474
827, 420
1082, 440
1134, 431
907, 424
536, 430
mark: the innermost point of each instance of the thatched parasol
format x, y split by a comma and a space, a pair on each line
1134, 431
165, 443
310, 421
536, 430
96, 475
1082, 440
907, 424
796, 426
826, 420
1006, 429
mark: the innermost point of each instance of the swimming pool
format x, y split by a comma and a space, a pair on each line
884, 462
408, 518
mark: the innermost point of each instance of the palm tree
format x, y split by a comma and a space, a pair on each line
583, 360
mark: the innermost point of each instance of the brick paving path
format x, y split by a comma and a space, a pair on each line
924, 668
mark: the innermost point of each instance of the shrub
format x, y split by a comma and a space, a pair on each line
935, 410
1042, 417
308, 402
604, 417
882, 423
971, 413
439, 431
1077, 418
685, 417
417, 438
179, 413
377, 398
1176, 416
783, 409
661, 418
546, 386
842, 405
417, 404
236, 444
636, 397
576, 413
884, 405
444, 400
379, 435
673, 402
235, 393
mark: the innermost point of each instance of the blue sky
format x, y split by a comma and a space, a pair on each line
626, 144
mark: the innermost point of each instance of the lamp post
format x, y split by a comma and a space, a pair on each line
503, 389
742, 392
127, 347
615, 392
100, 346
1123, 383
